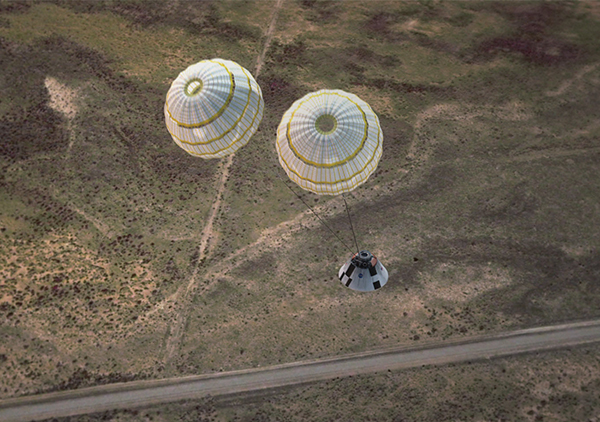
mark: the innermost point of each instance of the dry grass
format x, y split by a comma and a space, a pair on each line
476, 210
556, 386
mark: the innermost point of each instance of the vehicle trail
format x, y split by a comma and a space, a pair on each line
270, 380
275, 237
562, 89
184, 294
419, 152
99, 225
185, 291
268, 36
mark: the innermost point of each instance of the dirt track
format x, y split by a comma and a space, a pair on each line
144, 393
208, 236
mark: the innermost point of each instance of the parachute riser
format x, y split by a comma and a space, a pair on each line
351, 225
314, 212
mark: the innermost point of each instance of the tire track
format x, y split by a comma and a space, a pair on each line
268, 36
564, 87
265, 380
185, 293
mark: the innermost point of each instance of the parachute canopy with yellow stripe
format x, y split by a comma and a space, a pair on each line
329, 142
213, 108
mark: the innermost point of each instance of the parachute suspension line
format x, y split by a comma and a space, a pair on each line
350, 220
317, 215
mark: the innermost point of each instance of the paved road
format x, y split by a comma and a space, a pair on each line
143, 393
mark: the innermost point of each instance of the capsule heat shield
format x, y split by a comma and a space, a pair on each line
363, 272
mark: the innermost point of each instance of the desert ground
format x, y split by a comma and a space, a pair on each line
122, 257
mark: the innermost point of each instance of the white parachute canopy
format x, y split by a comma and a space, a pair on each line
329, 142
213, 108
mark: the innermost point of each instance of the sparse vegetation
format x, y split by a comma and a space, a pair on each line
483, 207
560, 385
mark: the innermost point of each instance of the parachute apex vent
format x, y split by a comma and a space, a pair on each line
363, 272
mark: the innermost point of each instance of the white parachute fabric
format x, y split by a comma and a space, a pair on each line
329, 142
213, 108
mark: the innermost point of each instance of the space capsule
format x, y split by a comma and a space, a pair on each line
363, 272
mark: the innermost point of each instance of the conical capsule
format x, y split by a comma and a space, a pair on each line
363, 272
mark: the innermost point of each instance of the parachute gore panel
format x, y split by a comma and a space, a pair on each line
329, 142
213, 108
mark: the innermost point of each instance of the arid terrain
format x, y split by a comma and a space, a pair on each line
122, 257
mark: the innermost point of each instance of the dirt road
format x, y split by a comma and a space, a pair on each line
143, 393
